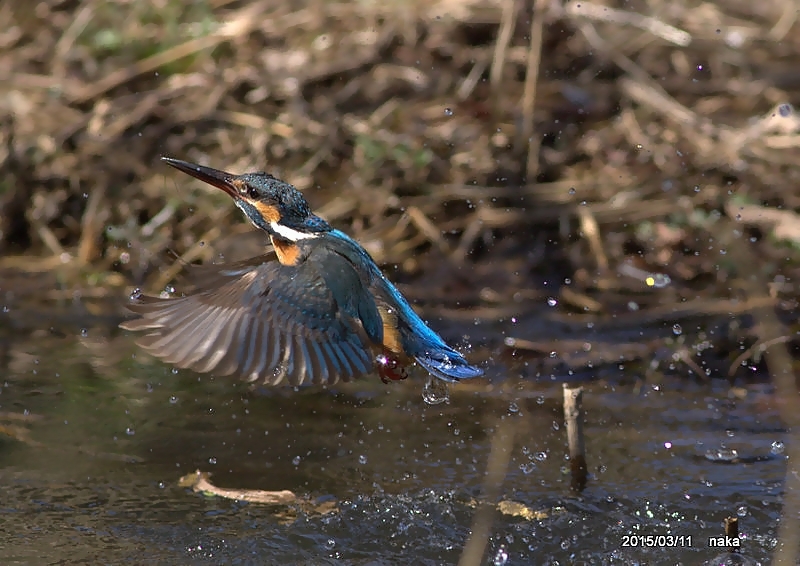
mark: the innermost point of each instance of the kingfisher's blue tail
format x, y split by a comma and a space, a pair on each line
448, 365
418, 340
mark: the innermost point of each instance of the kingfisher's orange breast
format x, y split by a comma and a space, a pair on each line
288, 252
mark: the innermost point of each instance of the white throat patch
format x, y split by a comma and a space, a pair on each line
290, 233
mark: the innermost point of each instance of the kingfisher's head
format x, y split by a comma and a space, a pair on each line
273, 205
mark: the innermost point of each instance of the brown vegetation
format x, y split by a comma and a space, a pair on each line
631, 161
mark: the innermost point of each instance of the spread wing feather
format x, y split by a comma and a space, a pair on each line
259, 320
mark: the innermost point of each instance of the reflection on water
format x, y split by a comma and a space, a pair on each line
95, 478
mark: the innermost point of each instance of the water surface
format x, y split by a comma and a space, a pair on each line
97, 434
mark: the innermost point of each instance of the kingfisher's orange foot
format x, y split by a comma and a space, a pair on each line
390, 368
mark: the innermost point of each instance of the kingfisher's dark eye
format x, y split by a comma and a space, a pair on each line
252, 192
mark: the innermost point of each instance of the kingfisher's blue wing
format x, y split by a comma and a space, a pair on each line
259, 320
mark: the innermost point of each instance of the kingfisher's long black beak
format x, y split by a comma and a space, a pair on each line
213, 177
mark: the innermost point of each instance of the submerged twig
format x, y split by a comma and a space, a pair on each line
199, 483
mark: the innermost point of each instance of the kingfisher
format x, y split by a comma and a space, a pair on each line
316, 309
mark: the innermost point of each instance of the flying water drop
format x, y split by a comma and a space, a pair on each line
500, 557
435, 392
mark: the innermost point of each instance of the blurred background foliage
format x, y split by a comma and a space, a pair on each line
624, 159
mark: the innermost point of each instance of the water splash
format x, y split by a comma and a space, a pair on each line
722, 454
435, 392
500, 557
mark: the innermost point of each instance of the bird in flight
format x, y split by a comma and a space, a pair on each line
315, 310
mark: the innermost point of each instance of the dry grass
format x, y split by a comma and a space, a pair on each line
398, 117
489, 147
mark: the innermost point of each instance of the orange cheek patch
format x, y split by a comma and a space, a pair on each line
287, 252
391, 334
269, 212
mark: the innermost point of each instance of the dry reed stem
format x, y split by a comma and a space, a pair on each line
607, 14
428, 229
591, 231
526, 139
198, 251
92, 227
755, 352
500, 49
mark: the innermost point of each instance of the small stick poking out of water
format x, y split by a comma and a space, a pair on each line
731, 530
573, 415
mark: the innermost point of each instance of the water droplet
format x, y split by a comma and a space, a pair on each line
777, 447
659, 280
136, 294
742, 511
513, 408
552, 301
785, 110
212, 460
527, 468
330, 543
572, 190
448, 111
362, 459
435, 392
540, 456
500, 557
677, 330
173, 400
296, 460
129, 431
84, 332
722, 455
